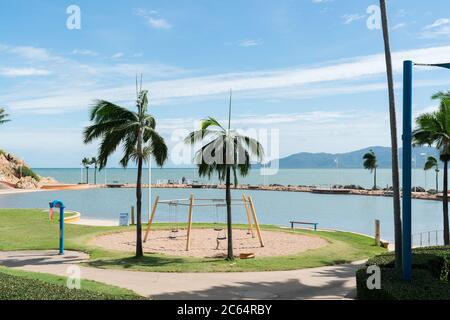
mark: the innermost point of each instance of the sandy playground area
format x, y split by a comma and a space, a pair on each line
204, 243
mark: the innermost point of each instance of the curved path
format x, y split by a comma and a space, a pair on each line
335, 282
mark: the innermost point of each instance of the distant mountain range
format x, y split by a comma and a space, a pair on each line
351, 160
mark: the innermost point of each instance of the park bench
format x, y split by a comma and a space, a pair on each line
314, 224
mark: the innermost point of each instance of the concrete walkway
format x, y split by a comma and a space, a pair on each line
336, 282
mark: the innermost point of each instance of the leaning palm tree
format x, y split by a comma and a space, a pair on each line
370, 163
434, 129
136, 132
394, 139
224, 151
86, 164
94, 162
432, 163
4, 117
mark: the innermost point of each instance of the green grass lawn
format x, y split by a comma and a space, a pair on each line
30, 229
23, 285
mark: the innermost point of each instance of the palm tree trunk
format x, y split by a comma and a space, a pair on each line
139, 252
393, 125
230, 255
87, 175
95, 175
375, 179
445, 205
437, 181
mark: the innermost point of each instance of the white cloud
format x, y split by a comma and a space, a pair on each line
169, 84
349, 18
322, 1
153, 19
117, 55
23, 72
249, 43
437, 23
85, 52
439, 28
398, 26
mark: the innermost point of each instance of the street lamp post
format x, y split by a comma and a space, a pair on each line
407, 160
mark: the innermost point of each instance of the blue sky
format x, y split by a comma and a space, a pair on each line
310, 68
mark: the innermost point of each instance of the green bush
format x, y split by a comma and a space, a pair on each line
431, 270
21, 288
27, 172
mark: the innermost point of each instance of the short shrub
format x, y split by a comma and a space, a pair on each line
27, 172
431, 270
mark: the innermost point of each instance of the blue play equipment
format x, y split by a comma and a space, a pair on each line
407, 160
59, 204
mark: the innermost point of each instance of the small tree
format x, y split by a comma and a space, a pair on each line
86, 164
370, 163
135, 132
94, 162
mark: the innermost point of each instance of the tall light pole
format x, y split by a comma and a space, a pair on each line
407, 160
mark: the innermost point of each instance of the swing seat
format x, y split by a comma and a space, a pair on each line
218, 229
221, 238
245, 256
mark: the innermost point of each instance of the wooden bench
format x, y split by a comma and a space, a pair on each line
304, 223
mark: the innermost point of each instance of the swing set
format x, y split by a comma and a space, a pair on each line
218, 204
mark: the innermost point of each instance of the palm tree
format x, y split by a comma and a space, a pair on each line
86, 164
370, 163
4, 117
394, 139
224, 151
135, 131
94, 161
432, 163
434, 129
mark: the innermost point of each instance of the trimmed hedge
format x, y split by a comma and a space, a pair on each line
431, 269
21, 288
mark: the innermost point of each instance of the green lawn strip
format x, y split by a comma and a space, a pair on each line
24, 285
29, 229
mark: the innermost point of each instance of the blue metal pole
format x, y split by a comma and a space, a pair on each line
407, 152
61, 230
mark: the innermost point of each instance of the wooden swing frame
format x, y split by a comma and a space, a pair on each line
247, 202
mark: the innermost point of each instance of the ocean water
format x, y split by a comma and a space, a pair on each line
317, 177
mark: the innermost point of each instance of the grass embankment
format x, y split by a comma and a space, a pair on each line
22, 285
30, 229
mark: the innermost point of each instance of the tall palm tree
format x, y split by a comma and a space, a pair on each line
86, 164
394, 139
434, 129
136, 132
4, 117
94, 162
224, 151
432, 163
370, 163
